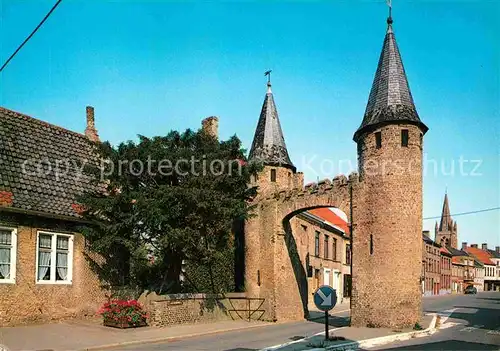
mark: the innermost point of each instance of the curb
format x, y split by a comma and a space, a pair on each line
354, 345
168, 338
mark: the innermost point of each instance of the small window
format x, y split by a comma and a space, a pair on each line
371, 244
334, 249
326, 246
54, 258
316, 244
348, 254
378, 139
8, 242
404, 137
273, 175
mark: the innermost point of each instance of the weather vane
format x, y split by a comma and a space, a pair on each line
268, 74
389, 3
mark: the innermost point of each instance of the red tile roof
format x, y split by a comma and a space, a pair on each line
481, 255
329, 216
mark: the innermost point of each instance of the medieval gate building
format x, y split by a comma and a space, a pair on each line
383, 200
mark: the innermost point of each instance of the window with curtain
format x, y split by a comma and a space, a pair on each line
7, 255
54, 258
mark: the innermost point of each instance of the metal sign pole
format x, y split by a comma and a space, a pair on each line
325, 298
326, 325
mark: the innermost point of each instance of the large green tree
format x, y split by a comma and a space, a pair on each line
163, 200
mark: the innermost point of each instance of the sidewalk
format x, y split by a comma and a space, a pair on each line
91, 335
352, 338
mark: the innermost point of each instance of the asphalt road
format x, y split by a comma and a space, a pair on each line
470, 322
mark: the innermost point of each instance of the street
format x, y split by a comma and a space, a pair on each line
474, 324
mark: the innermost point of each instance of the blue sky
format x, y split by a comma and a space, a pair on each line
149, 67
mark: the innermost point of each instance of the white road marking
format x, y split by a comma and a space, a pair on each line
449, 325
474, 327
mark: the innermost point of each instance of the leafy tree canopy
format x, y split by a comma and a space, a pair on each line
164, 200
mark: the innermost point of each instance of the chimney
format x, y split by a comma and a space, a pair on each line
473, 246
426, 233
90, 131
210, 126
464, 245
497, 249
484, 246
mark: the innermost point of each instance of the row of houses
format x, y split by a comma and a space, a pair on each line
448, 269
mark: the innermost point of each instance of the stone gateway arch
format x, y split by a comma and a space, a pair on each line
384, 200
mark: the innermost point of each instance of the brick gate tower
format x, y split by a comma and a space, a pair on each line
387, 235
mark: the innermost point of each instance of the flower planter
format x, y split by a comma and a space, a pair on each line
123, 323
123, 314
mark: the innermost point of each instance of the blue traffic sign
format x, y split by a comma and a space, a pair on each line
325, 298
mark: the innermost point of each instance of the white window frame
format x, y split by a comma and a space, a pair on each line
53, 255
13, 256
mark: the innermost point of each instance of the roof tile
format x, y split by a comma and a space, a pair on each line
37, 163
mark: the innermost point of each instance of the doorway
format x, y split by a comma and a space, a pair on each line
326, 276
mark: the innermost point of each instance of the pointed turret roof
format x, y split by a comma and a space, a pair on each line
268, 144
390, 99
446, 221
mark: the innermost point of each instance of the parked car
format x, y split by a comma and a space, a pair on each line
470, 290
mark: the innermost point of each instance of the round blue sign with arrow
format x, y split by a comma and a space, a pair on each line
325, 298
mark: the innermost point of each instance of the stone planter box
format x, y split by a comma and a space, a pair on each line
124, 323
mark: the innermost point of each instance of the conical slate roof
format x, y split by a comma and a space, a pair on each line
268, 144
390, 99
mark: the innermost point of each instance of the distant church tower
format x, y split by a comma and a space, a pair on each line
387, 235
269, 148
446, 232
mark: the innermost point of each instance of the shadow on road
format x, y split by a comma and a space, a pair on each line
333, 321
490, 299
483, 318
447, 345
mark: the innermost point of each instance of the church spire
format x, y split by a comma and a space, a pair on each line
446, 221
268, 144
390, 99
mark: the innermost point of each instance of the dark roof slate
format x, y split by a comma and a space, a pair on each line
456, 252
30, 151
494, 253
390, 99
268, 144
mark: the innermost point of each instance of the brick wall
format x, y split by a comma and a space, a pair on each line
177, 309
27, 302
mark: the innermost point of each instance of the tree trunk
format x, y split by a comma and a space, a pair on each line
171, 277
